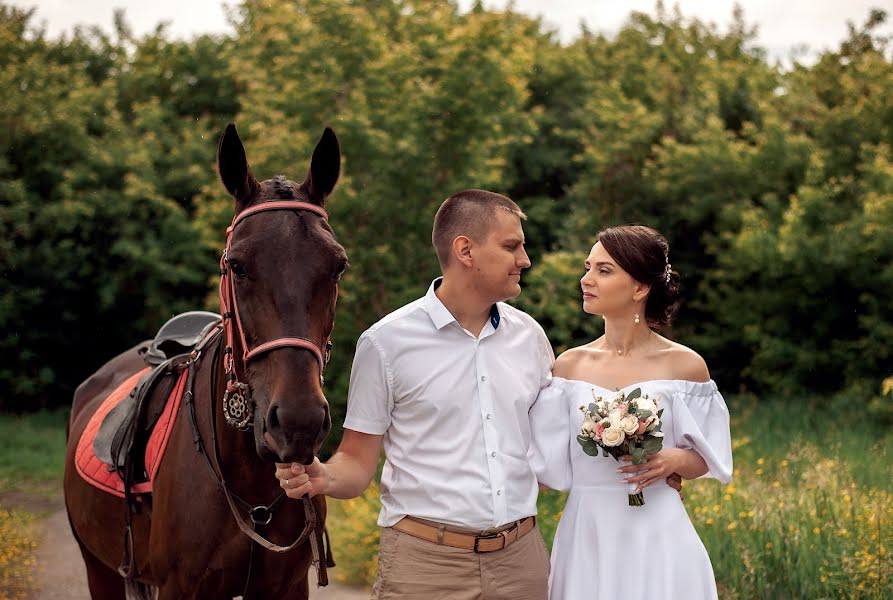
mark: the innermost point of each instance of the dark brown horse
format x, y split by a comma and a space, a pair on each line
284, 266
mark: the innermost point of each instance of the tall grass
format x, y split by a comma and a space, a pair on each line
808, 515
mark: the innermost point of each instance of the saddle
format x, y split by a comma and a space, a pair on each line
124, 432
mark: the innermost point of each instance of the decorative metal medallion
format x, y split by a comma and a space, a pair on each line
237, 408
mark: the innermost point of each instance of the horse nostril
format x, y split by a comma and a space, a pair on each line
273, 419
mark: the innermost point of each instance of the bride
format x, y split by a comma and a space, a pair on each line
605, 548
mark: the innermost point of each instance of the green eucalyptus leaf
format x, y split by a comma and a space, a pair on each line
590, 448
653, 445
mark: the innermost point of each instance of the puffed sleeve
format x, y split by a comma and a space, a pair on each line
549, 450
701, 423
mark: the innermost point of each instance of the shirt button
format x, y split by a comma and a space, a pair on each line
499, 492
483, 378
493, 454
489, 416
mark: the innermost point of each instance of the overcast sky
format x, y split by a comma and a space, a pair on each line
783, 24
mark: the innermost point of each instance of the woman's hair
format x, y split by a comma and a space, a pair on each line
644, 254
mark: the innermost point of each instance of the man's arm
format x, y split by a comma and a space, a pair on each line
346, 475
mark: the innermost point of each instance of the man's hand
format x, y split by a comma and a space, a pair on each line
343, 476
675, 482
298, 480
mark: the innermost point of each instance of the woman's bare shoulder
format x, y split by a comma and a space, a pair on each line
570, 360
687, 364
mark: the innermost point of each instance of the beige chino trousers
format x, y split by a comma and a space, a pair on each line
409, 567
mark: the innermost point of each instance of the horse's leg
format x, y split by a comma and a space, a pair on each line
104, 583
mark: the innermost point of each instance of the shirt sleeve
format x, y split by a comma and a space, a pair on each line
547, 359
370, 398
549, 451
701, 423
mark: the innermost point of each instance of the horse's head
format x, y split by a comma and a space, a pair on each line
284, 266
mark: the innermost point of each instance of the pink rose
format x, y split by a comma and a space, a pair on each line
599, 428
643, 423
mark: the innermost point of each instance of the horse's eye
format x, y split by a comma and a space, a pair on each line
237, 268
341, 269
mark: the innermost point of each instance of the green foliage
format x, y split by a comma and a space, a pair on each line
773, 186
97, 176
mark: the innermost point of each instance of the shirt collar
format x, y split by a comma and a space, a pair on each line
440, 314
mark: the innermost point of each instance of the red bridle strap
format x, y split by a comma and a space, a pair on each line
229, 305
277, 205
290, 341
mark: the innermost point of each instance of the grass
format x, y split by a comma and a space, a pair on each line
32, 450
808, 515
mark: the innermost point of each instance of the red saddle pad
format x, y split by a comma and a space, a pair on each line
95, 472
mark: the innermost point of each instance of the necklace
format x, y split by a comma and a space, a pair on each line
620, 351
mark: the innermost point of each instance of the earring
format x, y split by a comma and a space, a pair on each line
637, 317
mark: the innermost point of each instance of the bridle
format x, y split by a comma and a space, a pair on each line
237, 405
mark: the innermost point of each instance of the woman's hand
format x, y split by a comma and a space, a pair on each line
665, 464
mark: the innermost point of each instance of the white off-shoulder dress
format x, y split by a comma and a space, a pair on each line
604, 548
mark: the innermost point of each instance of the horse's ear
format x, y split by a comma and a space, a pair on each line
325, 166
233, 166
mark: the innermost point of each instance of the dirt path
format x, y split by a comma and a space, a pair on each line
61, 574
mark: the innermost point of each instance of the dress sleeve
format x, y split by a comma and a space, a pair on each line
549, 450
701, 423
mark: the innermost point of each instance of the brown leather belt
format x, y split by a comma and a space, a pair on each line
488, 542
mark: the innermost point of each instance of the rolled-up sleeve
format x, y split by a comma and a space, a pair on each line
370, 398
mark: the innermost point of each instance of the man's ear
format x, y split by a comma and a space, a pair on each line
462, 251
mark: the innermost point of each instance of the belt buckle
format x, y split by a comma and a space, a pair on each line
489, 536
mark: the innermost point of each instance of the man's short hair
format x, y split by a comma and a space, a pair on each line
469, 213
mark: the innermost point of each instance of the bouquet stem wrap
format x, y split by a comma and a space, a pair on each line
625, 425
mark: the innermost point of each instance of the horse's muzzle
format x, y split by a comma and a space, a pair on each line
295, 434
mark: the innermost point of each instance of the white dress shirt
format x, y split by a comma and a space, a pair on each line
453, 411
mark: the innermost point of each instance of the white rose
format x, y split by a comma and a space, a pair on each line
615, 416
647, 404
613, 436
629, 424
652, 423
588, 425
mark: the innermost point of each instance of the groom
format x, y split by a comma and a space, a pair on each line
445, 384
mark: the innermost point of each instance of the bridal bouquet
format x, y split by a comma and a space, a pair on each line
625, 424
